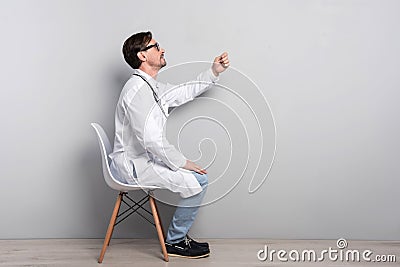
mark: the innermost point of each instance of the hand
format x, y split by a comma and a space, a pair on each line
221, 63
194, 167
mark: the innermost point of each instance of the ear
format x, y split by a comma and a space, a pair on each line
141, 56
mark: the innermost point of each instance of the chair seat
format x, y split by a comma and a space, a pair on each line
131, 187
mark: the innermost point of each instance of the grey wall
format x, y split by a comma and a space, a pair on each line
329, 70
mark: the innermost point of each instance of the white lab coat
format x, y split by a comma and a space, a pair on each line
142, 154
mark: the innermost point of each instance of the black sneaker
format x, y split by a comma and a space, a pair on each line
187, 249
200, 244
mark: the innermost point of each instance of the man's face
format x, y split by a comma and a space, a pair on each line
155, 55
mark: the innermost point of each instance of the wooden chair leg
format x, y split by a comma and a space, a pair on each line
111, 226
161, 225
158, 227
112, 230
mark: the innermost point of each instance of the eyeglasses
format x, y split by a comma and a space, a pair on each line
156, 45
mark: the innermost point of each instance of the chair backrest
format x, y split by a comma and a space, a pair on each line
105, 149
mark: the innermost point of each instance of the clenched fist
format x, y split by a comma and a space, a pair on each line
221, 63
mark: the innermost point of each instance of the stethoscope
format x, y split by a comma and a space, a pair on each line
154, 94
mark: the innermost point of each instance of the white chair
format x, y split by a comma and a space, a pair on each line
105, 149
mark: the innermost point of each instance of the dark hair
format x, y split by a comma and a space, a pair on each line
133, 45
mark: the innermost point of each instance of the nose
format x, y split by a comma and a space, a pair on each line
162, 50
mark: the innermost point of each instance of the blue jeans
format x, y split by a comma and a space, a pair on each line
186, 212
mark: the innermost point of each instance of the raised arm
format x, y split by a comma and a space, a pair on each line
176, 95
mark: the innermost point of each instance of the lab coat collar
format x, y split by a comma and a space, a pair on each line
150, 79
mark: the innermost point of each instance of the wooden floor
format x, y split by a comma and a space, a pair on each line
147, 252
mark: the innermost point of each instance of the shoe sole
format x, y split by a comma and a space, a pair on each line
189, 257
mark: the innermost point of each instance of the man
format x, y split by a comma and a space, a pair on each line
142, 155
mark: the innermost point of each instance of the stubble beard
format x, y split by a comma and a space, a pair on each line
163, 62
